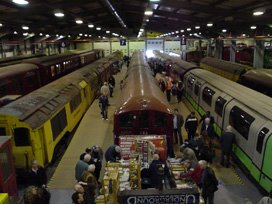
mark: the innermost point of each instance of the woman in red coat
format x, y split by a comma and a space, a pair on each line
194, 172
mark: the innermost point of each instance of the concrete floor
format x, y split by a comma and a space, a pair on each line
234, 187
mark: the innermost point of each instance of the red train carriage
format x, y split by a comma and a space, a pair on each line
143, 109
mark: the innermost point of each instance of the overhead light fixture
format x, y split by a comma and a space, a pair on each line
90, 35
182, 31
154, 0
41, 34
86, 35
107, 31
190, 34
177, 32
79, 21
253, 27
69, 36
183, 35
90, 25
57, 35
224, 31
244, 35
147, 20
197, 27
188, 29
98, 28
21, 2
141, 29
148, 13
80, 34
173, 33
199, 33
258, 13
59, 14
25, 27
15, 33
25, 34
47, 35
209, 24
1, 24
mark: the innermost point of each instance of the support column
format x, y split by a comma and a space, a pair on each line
233, 51
209, 48
199, 45
219, 45
258, 61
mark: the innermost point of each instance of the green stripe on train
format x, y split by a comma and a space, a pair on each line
266, 181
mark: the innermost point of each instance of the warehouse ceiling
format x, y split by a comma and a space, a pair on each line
127, 17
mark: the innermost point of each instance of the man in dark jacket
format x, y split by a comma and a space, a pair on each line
113, 153
37, 175
207, 131
191, 125
226, 141
103, 104
178, 122
208, 182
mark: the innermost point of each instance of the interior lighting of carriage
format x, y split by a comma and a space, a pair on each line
25, 27
253, 27
209, 24
90, 25
21, 2
25, 34
197, 27
79, 21
98, 28
59, 14
224, 30
258, 13
188, 29
15, 33
148, 13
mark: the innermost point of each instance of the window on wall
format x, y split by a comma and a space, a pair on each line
197, 87
207, 95
219, 105
125, 120
261, 137
58, 123
75, 102
241, 121
21, 137
190, 82
160, 120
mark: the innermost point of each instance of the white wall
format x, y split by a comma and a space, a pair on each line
115, 45
103, 45
136, 46
172, 46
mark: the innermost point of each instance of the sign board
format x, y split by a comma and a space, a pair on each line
123, 42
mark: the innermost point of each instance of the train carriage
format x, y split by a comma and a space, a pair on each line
39, 120
143, 109
17, 59
247, 111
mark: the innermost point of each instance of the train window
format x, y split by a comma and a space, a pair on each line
207, 95
190, 82
219, 105
241, 121
160, 120
21, 137
2, 131
261, 136
5, 164
143, 119
53, 71
3, 89
197, 87
75, 102
58, 123
125, 120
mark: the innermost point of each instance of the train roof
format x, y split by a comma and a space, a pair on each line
47, 60
38, 106
225, 65
141, 91
257, 101
261, 76
17, 59
16, 69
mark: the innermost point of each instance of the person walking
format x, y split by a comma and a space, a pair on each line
207, 131
105, 90
168, 88
191, 123
178, 122
103, 104
37, 175
226, 140
208, 182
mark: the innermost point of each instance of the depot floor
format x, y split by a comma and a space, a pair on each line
234, 187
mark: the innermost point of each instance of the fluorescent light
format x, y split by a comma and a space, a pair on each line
224, 31
80, 34
197, 27
86, 35
57, 35
258, 13
199, 33
21, 2
90, 25
90, 35
79, 21
15, 33
182, 31
107, 31
173, 33
25, 27
190, 34
244, 35
209, 24
154, 0
69, 36
141, 29
147, 20
41, 34
148, 13
98, 28
253, 27
25, 34
1, 24
59, 14
188, 29
176, 32
47, 35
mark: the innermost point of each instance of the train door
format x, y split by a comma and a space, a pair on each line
246, 125
219, 111
189, 86
43, 145
196, 92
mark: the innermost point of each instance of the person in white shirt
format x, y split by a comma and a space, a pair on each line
266, 199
